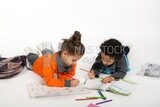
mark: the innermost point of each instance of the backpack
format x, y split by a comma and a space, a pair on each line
10, 67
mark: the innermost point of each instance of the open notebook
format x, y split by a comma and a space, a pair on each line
40, 90
122, 87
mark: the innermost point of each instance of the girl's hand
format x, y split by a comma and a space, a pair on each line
108, 79
74, 82
91, 74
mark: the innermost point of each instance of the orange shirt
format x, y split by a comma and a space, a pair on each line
47, 67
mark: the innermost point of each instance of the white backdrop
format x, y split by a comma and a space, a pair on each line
134, 22
27, 23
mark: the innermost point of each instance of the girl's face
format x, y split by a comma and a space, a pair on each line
106, 59
69, 59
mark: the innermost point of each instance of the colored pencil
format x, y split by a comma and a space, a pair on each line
102, 96
72, 78
85, 99
96, 97
104, 102
84, 70
85, 81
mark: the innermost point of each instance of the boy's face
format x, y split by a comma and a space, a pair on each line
69, 59
106, 59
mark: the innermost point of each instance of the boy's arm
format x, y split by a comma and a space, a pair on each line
121, 68
97, 66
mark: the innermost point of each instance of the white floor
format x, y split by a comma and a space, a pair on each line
134, 22
14, 92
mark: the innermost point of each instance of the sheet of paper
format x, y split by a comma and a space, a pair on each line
39, 90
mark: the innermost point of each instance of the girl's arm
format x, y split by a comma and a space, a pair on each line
54, 81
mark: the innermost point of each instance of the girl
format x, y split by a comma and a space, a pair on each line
58, 69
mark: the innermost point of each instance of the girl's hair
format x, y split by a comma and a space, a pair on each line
113, 48
73, 45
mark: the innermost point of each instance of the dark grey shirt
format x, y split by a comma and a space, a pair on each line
118, 69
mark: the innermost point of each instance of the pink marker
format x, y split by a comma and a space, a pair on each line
95, 105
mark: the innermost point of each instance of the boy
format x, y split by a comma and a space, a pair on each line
111, 60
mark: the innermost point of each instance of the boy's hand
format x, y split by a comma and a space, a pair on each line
74, 82
91, 74
108, 79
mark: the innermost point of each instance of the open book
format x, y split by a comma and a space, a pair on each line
122, 87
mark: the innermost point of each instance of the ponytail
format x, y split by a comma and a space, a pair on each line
73, 45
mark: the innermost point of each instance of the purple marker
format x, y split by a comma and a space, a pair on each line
104, 102
95, 105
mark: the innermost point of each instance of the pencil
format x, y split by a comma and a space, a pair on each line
102, 96
84, 70
96, 97
85, 81
72, 78
104, 102
85, 99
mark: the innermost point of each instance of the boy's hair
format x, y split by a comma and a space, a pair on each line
73, 45
113, 48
